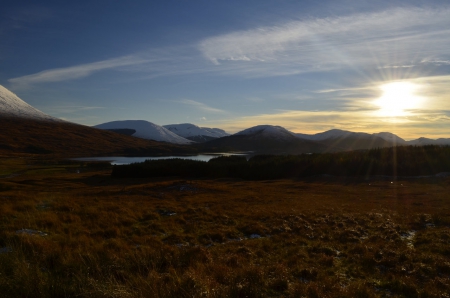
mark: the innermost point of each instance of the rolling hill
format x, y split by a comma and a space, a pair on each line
20, 135
263, 139
26, 130
195, 133
145, 130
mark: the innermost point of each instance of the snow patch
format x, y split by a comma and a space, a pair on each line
187, 130
12, 106
146, 130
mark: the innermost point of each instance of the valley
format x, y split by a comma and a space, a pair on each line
335, 214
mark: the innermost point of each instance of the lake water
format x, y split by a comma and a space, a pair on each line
122, 160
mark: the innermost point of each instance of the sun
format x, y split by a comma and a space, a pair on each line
398, 98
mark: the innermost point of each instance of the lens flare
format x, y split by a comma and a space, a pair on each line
398, 98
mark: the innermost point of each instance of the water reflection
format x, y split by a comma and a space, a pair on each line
122, 160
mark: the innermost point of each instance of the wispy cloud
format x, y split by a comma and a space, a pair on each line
430, 119
201, 106
341, 89
75, 72
436, 61
393, 38
403, 38
396, 66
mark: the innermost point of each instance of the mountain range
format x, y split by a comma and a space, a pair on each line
264, 138
145, 130
195, 133
43, 133
26, 130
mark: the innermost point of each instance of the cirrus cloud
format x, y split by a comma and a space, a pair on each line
387, 39
75, 72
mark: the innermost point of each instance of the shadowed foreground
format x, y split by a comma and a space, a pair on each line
71, 231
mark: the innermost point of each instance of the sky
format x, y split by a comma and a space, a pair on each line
309, 66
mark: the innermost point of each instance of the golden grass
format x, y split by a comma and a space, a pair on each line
175, 238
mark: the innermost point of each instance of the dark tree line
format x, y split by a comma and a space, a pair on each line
394, 161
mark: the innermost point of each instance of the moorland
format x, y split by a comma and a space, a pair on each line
72, 229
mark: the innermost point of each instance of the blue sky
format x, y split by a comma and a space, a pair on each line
309, 66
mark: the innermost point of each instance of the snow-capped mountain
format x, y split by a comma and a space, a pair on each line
195, 133
12, 106
145, 130
267, 131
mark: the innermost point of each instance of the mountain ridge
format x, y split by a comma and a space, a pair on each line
26, 130
13, 107
264, 139
145, 130
57, 136
195, 133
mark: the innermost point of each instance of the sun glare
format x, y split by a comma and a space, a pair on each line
398, 98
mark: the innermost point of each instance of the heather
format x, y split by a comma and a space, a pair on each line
73, 230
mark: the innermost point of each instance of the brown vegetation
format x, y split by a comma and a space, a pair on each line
71, 230
22, 136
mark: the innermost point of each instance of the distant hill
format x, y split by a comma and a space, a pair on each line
26, 130
195, 133
278, 140
145, 130
123, 131
426, 141
264, 139
355, 142
21, 135
364, 140
343, 140
393, 138
330, 134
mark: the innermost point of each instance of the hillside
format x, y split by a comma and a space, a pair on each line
145, 130
195, 133
264, 139
355, 142
12, 106
21, 135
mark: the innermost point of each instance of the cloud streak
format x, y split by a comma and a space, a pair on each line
201, 106
75, 72
403, 38
388, 39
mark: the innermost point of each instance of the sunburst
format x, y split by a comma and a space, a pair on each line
398, 98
